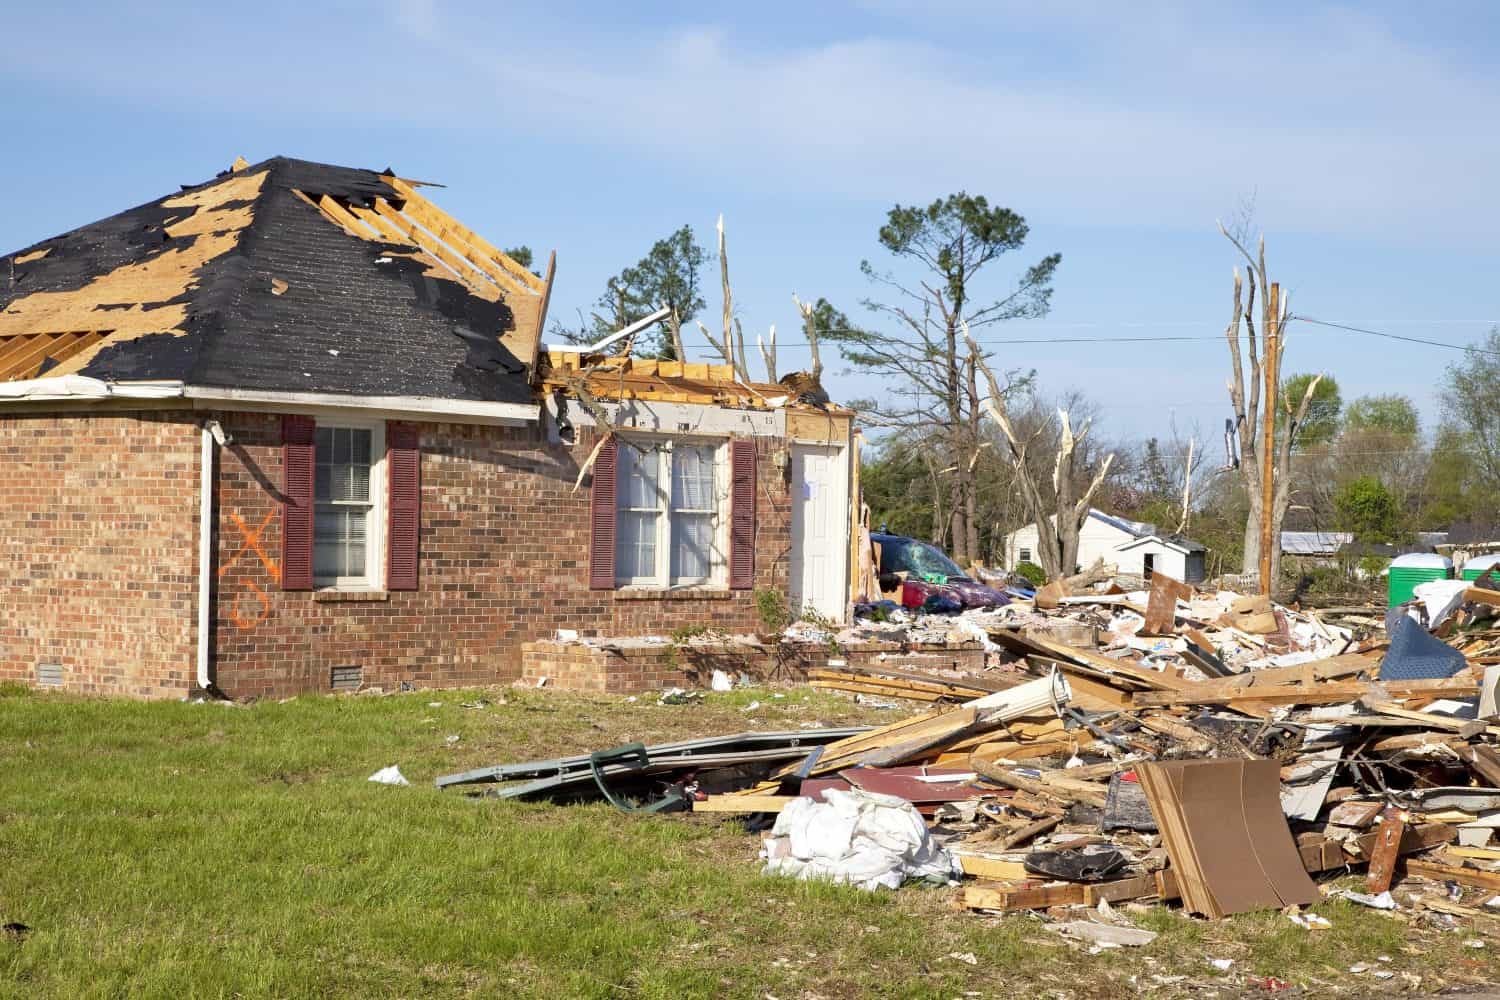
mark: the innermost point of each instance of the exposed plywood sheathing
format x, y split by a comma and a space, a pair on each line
452, 251
27, 258
133, 300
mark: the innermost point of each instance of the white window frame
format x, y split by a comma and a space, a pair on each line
1024, 554
718, 565
375, 525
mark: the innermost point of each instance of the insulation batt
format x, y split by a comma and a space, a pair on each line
861, 838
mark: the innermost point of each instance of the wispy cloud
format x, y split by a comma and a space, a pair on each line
1159, 116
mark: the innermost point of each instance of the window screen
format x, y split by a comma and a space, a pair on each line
343, 505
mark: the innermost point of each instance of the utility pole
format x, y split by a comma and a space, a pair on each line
1272, 369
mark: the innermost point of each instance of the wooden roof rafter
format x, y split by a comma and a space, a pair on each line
23, 355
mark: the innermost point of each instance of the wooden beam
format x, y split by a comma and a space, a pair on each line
466, 234
19, 362
1489, 881
338, 213
83, 343
992, 868
450, 232
997, 897
378, 222
460, 268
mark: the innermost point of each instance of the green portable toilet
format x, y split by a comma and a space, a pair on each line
1474, 568
1415, 568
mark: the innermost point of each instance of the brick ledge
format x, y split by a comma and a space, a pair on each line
668, 594
344, 596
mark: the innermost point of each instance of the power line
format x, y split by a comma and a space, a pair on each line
1032, 341
1395, 336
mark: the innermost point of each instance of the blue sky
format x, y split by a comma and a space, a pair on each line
1365, 135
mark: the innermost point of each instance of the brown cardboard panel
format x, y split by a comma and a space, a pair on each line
1270, 837
1213, 801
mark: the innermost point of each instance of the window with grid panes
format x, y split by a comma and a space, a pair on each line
345, 508
668, 519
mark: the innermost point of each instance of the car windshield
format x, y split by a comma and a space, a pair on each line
916, 558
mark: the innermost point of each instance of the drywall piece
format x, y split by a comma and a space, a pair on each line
1489, 693
1303, 792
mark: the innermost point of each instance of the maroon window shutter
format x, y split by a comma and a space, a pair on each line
742, 515
602, 518
404, 473
298, 463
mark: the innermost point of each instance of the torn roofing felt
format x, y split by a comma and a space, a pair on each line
285, 276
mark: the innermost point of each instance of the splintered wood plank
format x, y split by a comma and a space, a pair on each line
1161, 607
742, 803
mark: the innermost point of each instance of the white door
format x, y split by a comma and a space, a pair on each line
820, 529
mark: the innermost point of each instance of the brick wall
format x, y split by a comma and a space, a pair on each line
628, 666
98, 550
504, 561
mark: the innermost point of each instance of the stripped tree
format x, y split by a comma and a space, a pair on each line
1060, 512
1247, 375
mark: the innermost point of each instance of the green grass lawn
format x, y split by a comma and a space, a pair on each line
181, 850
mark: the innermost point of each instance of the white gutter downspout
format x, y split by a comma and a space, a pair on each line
212, 433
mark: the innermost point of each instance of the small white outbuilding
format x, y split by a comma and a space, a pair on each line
1133, 547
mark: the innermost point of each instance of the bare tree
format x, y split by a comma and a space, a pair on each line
1245, 397
1059, 513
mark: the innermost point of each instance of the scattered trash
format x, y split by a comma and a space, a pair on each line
1383, 901
967, 957
389, 776
1309, 921
678, 696
1222, 964
721, 681
452, 739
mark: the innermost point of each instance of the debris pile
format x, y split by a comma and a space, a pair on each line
1209, 748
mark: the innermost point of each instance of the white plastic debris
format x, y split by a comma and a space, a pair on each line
1105, 935
1309, 921
389, 776
967, 957
721, 681
1384, 901
1222, 964
858, 837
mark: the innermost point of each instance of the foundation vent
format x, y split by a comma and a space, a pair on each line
348, 678
49, 674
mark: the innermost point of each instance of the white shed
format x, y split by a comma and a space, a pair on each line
1134, 547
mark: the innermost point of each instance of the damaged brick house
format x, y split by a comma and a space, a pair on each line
348, 388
